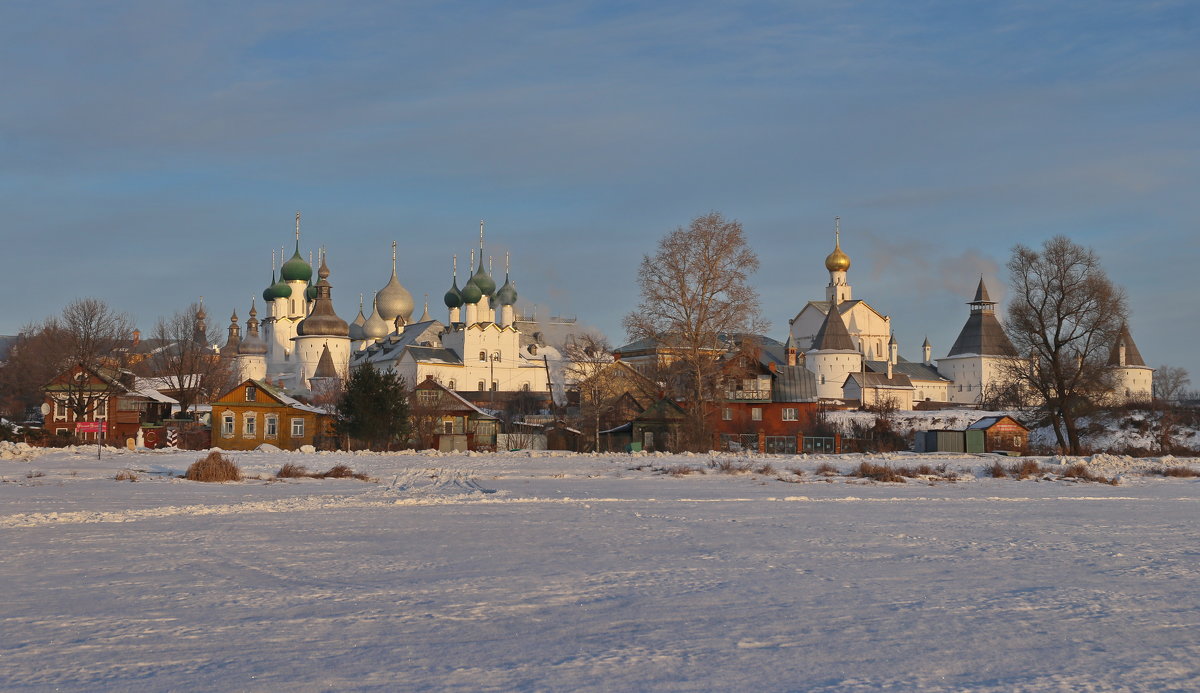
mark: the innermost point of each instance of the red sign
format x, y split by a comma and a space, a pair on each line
91, 427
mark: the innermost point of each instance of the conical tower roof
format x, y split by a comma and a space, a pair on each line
234, 340
833, 335
1133, 357
325, 367
982, 334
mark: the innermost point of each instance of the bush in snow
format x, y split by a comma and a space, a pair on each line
216, 467
1180, 472
292, 471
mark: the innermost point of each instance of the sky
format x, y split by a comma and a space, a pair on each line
156, 152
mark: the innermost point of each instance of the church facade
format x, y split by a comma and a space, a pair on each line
302, 342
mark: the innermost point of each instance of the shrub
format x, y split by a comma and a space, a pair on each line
126, 475
214, 468
292, 471
765, 469
731, 467
877, 472
996, 471
34, 474
1180, 472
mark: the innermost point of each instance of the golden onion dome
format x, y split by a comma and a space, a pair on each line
837, 261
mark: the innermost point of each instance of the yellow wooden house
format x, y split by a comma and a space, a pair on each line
256, 412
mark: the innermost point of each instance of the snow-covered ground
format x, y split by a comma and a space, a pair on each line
574, 572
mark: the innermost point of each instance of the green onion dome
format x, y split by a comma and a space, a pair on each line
269, 292
483, 280
507, 295
453, 297
311, 292
471, 293
296, 269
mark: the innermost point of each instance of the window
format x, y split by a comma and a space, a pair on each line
272, 426
251, 393
524, 387
448, 427
756, 414
482, 357
101, 407
227, 426
496, 356
789, 414
249, 425
297, 428
822, 380
450, 385
482, 386
533, 350
494, 388
726, 414
427, 397
60, 409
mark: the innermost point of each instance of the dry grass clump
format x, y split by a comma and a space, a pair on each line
1081, 472
214, 468
765, 469
1025, 469
876, 472
34, 474
292, 471
126, 475
826, 469
681, 470
997, 471
1180, 472
730, 467
341, 471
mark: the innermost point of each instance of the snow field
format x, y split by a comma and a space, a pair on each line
578, 572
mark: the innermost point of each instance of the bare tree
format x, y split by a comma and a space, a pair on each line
695, 290
589, 373
185, 359
86, 349
1064, 317
39, 354
1170, 382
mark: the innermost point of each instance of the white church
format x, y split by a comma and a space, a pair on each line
302, 342
850, 348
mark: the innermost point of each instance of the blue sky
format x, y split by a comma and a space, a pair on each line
154, 152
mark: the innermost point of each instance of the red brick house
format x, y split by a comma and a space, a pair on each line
107, 405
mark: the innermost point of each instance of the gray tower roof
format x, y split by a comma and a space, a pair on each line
982, 334
833, 334
1133, 357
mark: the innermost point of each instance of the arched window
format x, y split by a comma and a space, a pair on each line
482, 386
494, 385
525, 387
533, 350
450, 385
496, 356
822, 380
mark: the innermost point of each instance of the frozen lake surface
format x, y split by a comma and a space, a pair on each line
520, 572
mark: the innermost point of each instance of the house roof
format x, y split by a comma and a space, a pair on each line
989, 421
794, 384
913, 369
898, 381
458, 399
422, 354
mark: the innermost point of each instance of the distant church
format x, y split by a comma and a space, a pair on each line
302, 343
850, 348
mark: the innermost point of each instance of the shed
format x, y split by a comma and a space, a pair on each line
1002, 434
